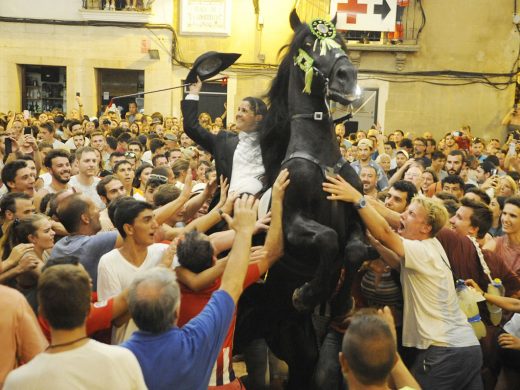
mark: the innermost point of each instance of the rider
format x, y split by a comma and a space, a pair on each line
238, 157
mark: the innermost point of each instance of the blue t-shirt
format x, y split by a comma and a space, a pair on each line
88, 249
182, 358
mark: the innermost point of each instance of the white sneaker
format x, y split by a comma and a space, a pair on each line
112, 8
107, 6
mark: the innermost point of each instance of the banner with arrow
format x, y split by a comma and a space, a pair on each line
364, 15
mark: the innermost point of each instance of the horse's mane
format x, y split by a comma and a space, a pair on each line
276, 126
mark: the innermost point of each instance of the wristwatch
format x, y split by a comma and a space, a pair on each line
361, 204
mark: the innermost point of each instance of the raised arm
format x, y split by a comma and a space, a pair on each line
273, 245
192, 127
163, 213
243, 223
339, 189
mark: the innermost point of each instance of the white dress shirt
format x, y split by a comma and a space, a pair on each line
248, 167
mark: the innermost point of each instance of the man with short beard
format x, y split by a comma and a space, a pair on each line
57, 162
368, 176
455, 162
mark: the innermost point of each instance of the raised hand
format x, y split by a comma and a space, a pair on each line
188, 184
244, 215
280, 185
339, 189
195, 87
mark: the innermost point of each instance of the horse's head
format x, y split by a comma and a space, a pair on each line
321, 56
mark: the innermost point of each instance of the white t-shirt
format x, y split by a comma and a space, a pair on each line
432, 315
58, 145
115, 273
90, 191
91, 366
147, 157
513, 325
47, 179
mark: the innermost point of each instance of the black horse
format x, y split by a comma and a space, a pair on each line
321, 237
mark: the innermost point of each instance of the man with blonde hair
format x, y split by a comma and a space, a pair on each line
449, 354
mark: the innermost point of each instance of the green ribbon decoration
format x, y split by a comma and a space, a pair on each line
305, 62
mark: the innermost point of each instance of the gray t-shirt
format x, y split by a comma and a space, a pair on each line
88, 249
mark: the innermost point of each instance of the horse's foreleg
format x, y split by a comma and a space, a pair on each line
309, 235
356, 249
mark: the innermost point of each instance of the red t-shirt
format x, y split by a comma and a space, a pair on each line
192, 304
99, 318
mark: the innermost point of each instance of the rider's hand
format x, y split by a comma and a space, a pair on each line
195, 87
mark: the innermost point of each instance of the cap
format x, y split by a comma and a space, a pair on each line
403, 152
366, 142
210, 64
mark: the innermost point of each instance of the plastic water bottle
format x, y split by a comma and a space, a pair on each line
469, 306
495, 313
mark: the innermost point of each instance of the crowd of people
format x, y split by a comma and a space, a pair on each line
126, 242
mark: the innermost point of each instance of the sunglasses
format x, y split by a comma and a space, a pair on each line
160, 178
130, 155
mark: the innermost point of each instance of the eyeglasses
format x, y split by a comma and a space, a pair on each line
130, 155
160, 178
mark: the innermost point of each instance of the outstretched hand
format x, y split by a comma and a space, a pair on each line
188, 184
340, 189
244, 216
280, 185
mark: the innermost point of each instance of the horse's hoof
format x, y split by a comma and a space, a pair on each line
303, 298
357, 251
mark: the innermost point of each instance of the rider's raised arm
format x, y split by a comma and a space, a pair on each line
192, 127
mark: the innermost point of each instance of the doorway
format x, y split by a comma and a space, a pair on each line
117, 82
44, 88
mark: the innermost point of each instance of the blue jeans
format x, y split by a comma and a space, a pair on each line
327, 374
446, 368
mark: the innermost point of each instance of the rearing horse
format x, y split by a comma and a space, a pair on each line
321, 236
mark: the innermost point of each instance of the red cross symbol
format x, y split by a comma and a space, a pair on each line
352, 8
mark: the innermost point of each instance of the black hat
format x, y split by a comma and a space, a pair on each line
209, 64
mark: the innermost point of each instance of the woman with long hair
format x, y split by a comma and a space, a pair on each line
141, 177
35, 230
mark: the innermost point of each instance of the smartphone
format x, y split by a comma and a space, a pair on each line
494, 172
8, 146
26, 114
27, 130
512, 148
457, 133
78, 94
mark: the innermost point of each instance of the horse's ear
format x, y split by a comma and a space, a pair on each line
295, 20
334, 19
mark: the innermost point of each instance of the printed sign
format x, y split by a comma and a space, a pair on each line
364, 15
